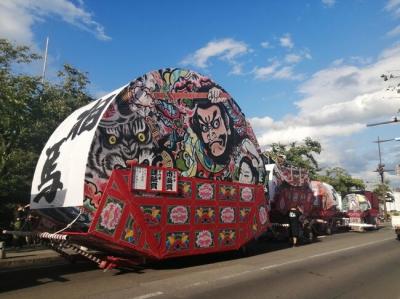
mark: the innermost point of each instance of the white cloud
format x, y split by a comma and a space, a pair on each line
17, 18
361, 60
283, 69
345, 82
237, 69
226, 49
230, 50
287, 73
286, 41
337, 103
266, 45
394, 32
276, 71
328, 3
265, 72
393, 7
293, 58
262, 122
291, 130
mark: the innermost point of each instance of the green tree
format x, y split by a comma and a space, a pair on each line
341, 180
381, 191
30, 112
297, 154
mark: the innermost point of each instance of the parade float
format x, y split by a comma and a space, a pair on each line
362, 209
290, 187
166, 166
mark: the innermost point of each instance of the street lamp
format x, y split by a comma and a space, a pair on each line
394, 120
390, 76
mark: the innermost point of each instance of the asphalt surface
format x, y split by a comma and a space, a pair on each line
29, 257
347, 265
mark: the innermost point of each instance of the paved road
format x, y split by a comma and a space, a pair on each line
348, 265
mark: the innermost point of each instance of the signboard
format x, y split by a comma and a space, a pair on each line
154, 179
139, 178
171, 181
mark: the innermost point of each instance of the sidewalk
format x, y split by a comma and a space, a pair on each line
30, 257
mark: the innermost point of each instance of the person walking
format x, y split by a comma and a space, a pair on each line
294, 225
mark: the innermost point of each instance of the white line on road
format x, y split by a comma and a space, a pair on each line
149, 295
322, 254
233, 275
199, 283
195, 284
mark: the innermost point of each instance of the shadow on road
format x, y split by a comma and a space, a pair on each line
255, 248
25, 278
29, 277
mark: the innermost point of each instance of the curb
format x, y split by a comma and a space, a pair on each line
34, 262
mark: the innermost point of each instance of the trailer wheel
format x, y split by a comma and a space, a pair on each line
248, 249
243, 251
311, 236
328, 230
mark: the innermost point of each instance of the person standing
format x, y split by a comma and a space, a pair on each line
294, 225
18, 225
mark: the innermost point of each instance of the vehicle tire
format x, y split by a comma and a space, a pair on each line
243, 251
311, 236
249, 249
328, 230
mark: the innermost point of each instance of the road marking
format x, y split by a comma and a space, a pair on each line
226, 277
196, 284
149, 295
282, 264
199, 283
234, 275
322, 254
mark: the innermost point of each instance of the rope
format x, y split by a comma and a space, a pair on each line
70, 224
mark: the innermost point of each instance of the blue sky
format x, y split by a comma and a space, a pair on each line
296, 68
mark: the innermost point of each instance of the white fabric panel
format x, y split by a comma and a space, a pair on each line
60, 172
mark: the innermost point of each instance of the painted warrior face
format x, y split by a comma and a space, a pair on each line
214, 131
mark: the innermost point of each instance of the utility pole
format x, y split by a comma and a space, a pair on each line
45, 60
381, 167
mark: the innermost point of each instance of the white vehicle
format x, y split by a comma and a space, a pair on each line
396, 225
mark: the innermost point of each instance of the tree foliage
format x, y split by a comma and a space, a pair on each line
381, 190
297, 154
30, 112
341, 180
384, 194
